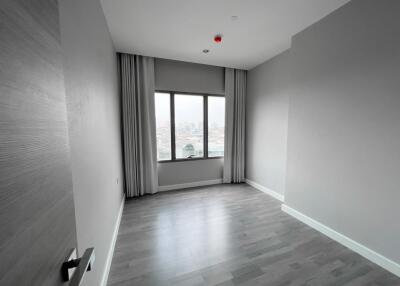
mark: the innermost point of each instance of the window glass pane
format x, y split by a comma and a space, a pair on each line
216, 126
163, 124
188, 126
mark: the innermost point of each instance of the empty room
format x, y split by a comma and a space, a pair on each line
199, 143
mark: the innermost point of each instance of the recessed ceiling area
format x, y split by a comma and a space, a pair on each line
253, 30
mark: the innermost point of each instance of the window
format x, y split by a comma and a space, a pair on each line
163, 123
189, 126
216, 126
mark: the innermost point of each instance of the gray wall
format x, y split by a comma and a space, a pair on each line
192, 171
94, 126
344, 124
267, 121
189, 77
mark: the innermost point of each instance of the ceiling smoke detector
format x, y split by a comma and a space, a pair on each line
206, 51
218, 38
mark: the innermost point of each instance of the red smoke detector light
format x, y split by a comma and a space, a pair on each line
218, 39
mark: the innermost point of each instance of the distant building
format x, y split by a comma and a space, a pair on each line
188, 150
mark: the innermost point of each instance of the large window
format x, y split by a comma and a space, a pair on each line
189, 126
163, 123
216, 126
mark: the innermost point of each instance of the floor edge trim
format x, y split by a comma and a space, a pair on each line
189, 185
266, 190
355, 246
110, 253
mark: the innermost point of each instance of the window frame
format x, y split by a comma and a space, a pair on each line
205, 125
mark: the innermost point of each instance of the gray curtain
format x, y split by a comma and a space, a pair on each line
235, 115
138, 124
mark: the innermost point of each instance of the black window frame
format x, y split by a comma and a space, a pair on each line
205, 125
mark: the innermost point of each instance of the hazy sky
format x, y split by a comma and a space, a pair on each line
190, 108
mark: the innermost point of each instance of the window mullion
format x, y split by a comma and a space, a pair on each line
205, 128
172, 106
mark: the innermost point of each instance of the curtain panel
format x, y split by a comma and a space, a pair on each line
138, 124
235, 124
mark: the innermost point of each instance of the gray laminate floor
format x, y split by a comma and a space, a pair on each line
229, 235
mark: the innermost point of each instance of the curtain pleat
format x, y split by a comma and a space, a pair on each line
138, 124
235, 124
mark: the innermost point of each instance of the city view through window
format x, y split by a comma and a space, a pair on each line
163, 124
189, 126
216, 126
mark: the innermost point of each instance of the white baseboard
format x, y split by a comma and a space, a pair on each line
112, 245
263, 189
189, 185
364, 251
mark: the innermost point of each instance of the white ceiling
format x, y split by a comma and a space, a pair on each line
181, 29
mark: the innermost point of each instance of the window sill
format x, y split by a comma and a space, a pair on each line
189, 159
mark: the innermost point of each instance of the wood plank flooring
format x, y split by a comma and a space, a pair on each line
229, 235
